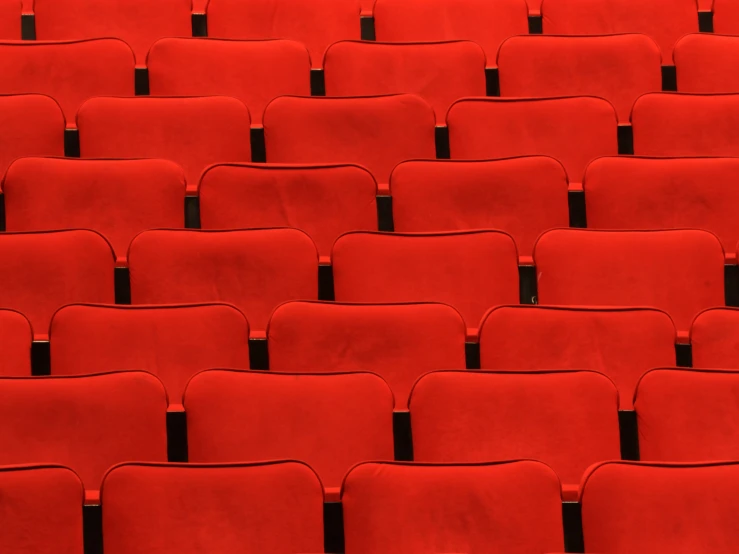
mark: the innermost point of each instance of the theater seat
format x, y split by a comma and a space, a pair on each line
254, 71
571, 130
701, 61
486, 23
330, 421
322, 200
173, 342
70, 72
640, 508
471, 271
400, 342
375, 132
316, 24
396, 508
618, 68
216, 127
138, 22
87, 423
10, 19
566, 419
665, 21
16, 335
438, 72
675, 124
714, 337
529, 338
32, 124
521, 196
678, 271
725, 17
688, 414
44, 271
41, 511
255, 270
118, 198
189, 508
667, 193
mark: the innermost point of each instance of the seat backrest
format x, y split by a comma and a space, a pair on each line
87, 423
400, 342
511, 507
534, 337
117, 198
32, 124
566, 419
189, 508
521, 196
330, 421
44, 271
665, 21
688, 414
324, 201
725, 17
70, 72
634, 508
17, 335
714, 337
438, 72
619, 68
701, 59
675, 124
138, 22
376, 132
10, 19
486, 23
316, 24
255, 270
678, 271
216, 128
172, 342
254, 71
471, 271
664, 193
41, 511
571, 130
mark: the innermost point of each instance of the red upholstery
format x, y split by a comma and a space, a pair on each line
376, 132
16, 333
701, 61
32, 124
486, 23
471, 271
138, 22
714, 337
172, 342
10, 19
41, 511
254, 270
316, 24
638, 508
70, 72
509, 507
322, 200
87, 423
688, 414
678, 271
255, 72
217, 129
571, 130
725, 17
663, 193
398, 341
118, 198
439, 72
44, 271
674, 124
622, 343
665, 21
521, 196
567, 419
330, 421
619, 68
190, 509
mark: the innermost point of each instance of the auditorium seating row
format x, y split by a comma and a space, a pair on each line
512, 507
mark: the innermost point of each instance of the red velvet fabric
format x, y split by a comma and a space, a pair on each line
701, 60
16, 333
714, 337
